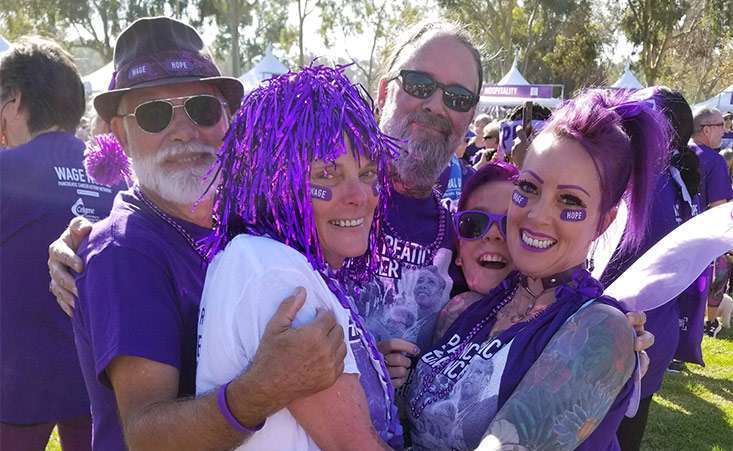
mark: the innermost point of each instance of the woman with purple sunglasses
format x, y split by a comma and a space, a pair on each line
480, 226
554, 357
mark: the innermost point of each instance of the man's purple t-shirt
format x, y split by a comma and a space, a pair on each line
715, 181
42, 186
668, 211
413, 282
138, 296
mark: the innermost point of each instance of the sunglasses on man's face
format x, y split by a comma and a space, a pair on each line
422, 85
156, 115
475, 224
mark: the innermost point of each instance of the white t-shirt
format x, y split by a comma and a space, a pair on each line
244, 286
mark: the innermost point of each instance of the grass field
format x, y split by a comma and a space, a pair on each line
693, 411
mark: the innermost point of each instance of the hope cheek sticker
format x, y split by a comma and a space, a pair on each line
573, 215
519, 199
320, 192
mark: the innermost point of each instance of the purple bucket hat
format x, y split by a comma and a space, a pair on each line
157, 51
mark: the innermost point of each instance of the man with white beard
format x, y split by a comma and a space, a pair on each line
139, 291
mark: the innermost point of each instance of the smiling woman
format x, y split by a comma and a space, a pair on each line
343, 205
545, 341
301, 169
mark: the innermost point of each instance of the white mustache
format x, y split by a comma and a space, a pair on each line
179, 149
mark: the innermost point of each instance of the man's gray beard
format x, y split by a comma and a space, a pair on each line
182, 186
424, 156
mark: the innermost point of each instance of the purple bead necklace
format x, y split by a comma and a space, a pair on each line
418, 404
170, 221
431, 249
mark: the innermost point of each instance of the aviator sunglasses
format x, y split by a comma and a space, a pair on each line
156, 115
474, 224
422, 85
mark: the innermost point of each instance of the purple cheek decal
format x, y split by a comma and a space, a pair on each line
375, 188
519, 199
320, 192
573, 215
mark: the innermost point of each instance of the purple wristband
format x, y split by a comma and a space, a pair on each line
221, 401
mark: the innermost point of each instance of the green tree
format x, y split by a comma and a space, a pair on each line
491, 23
557, 41
700, 58
92, 25
575, 56
375, 22
245, 28
651, 25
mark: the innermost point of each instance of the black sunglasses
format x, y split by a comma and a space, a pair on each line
422, 85
474, 224
156, 115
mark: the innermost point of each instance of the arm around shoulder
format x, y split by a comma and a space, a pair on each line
574, 382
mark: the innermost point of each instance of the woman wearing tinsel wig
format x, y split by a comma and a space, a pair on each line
298, 205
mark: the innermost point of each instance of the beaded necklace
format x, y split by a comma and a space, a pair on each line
367, 340
418, 404
431, 249
170, 221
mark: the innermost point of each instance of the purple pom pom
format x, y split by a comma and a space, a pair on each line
106, 162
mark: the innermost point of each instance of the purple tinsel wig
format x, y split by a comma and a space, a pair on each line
629, 143
264, 162
495, 171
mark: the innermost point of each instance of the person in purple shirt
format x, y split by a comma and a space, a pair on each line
427, 99
42, 186
727, 139
304, 215
135, 321
544, 342
715, 188
676, 199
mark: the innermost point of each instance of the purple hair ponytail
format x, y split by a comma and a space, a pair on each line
629, 144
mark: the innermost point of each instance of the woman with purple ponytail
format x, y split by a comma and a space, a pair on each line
544, 360
301, 172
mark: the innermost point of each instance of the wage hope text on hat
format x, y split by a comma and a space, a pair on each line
158, 51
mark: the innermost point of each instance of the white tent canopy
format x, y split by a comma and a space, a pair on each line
627, 80
513, 77
4, 44
514, 90
264, 69
99, 80
722, 101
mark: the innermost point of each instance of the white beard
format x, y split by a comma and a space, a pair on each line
184, 185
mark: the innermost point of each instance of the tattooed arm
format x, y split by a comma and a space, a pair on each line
569, 389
